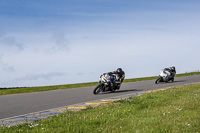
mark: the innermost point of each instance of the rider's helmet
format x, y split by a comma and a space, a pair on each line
173, 68
119, 70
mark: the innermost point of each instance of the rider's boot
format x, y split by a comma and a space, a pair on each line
167, 79
112, 87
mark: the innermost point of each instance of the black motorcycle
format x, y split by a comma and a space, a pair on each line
105, 84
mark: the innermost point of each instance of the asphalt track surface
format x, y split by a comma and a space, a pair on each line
20, 104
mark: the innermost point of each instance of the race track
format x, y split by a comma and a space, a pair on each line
19, 104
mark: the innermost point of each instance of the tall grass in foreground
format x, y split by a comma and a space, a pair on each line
78, 85
176, 109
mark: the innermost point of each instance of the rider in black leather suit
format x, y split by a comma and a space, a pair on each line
120, 75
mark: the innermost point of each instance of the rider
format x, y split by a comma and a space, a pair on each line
172, 71
120, 75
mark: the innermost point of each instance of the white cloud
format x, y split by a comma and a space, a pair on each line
47, 76
34, 79
61, 43
6, 67
9, 43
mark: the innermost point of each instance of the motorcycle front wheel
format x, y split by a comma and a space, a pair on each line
97, 89
157, 80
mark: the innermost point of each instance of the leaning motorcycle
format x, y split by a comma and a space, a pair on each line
164, 76
105, 84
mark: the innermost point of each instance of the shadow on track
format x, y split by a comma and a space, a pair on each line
180, 81
172, 82
118, 91
121, 91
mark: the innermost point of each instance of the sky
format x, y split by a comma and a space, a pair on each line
48, 42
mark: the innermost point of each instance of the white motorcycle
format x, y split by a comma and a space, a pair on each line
164, 76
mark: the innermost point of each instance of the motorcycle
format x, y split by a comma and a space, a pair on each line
105, 84
164, 76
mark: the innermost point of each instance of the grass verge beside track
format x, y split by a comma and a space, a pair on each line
70, 86
174, 109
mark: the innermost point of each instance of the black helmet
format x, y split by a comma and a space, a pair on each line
173, 68
119, 70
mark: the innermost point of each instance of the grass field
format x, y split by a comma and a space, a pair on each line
174, 110
70, 86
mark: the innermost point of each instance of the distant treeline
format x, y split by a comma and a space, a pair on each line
11, 88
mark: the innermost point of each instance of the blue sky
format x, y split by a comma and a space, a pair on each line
46, 42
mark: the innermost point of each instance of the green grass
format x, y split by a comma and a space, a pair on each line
155, 77
70, 86
44, 88
173, 110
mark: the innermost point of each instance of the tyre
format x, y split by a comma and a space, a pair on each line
118, 87
157, 81
172, 79
113, 90
97, 89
